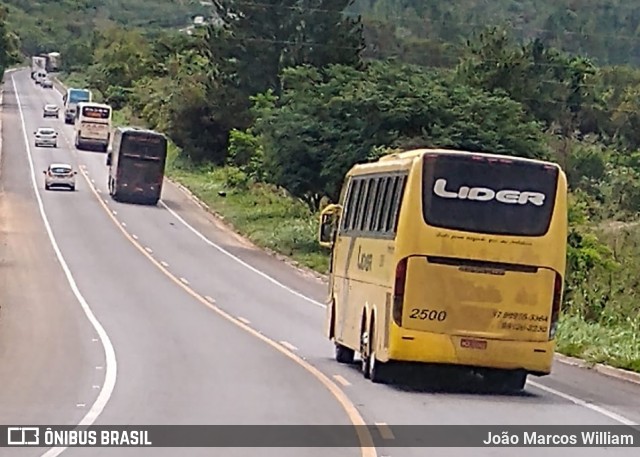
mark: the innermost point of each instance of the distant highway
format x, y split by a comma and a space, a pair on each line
123, 314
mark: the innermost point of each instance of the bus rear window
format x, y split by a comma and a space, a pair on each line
144, 147
96, 112
488, 195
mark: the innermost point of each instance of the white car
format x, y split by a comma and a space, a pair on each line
50, 110
46, 136
60, 175
47, 84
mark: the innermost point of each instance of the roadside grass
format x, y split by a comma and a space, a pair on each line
264, 215
617, 346
271, 219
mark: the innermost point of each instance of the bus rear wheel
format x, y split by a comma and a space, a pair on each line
371, 368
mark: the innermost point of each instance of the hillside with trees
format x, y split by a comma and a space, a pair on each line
269, 111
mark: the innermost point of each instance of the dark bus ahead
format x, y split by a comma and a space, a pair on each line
136, 165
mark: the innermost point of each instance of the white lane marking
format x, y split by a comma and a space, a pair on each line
598, 409
184, 280
341, 380
209, 299
577, 401
106, 201
244, 321
94, 340
385, 431
80, 405
99, 191
115, 213
111, 373
289, 346
99, 368
148, 249
135, 237
239, 260
96, 386
124, 224
164, 264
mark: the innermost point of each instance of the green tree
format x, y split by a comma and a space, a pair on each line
8, 43
327, 120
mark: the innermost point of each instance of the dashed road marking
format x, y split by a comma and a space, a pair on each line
385, 431
135, 237
243, 320
209, 299
184, 280
289, 346
164, 264
341, 380
148, 249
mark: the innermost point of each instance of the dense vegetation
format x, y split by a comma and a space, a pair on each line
277, 104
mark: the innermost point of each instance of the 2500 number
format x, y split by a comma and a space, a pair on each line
428, 314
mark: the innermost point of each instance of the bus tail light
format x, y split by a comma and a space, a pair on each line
555, 307
398, 291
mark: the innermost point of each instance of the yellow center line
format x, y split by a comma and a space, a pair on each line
367, 448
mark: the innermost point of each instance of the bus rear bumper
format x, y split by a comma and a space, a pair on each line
423, 347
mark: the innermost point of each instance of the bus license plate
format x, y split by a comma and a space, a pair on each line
469, 343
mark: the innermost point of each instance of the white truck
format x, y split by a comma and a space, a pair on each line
38, 68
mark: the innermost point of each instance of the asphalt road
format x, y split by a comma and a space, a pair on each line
204, 328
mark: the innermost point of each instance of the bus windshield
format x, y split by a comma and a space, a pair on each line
486, 195
148, 147
78, 95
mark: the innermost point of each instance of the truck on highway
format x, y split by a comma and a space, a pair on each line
452, 259
71, 98
52, 61
38, 66
136, 162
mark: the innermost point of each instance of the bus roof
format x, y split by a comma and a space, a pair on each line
129, 128
94, 104
404, 159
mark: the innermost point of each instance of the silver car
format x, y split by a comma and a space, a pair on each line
60, 175
46, 136
50, 110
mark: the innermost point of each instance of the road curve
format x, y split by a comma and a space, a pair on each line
179, 362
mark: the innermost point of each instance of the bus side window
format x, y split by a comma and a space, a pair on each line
382, 199
371, 206
364, 204
354, 204
386, 208
397, 202
347, 205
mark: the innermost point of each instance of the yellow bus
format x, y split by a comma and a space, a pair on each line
449, 258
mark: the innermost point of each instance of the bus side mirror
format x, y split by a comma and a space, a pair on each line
328, 225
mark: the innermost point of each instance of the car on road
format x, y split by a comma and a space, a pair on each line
50, 110
47, 84
60, 175
46, 136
